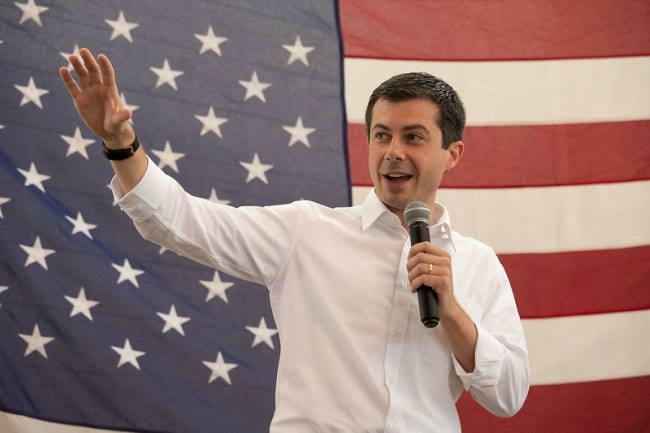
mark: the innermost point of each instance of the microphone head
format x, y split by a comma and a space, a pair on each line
416, 211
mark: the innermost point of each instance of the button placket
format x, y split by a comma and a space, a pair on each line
396, 341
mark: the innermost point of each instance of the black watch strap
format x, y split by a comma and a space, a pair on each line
120, 154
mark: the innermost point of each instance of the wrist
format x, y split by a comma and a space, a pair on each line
123, 152
119, 140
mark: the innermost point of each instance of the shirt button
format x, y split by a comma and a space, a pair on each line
397, 331
404, 284
394, 428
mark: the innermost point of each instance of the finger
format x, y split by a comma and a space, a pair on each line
434, 282
437, 259
106, 69
94, 74
427, 269
426, 247
70, 83
80, 70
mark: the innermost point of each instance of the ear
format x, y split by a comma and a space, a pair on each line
455, 153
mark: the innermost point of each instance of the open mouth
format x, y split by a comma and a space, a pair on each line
395, 178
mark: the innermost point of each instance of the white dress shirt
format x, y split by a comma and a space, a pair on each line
354, 355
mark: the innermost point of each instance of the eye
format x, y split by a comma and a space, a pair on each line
381, 136
413, 137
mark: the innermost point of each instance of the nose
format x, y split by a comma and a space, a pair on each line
395, 150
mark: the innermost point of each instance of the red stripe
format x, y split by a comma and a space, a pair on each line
612, 406
513, 156
512, 30
574, 283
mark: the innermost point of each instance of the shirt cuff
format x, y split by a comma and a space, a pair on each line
143, 200
488, 357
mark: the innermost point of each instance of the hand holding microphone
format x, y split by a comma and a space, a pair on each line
417, 215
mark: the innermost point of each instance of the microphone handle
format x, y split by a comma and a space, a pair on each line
427, 298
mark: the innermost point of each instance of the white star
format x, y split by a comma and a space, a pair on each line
173, 321
77, 143
210, 42
121, 27
127, 354
66, 56
36, 342
298, 133
262, 334
3, 289
4, 200
31, 93
33, 177
31, 11
168, 157
256, 169
127, 273
166, 75
298, 52
254, 87
211, 123
213, 198
81, 305
81, 226
36, 253
219, 369
131, 108
216, 287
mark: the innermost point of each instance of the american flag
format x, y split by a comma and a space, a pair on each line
262, 102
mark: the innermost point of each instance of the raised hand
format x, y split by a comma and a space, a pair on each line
96, 98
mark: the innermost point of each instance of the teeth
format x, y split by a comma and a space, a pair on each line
394, 175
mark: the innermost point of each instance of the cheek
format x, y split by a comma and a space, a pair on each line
374, 159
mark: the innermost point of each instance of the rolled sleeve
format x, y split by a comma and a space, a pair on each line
145, 199
489, 355
501, 377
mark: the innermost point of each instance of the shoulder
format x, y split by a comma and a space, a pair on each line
476, 249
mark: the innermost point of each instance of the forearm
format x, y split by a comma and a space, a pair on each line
501, 378
462, 335
128, 171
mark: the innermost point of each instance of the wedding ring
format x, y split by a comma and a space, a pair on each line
430, 268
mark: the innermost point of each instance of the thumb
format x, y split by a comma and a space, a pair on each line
121, 116
118, 120
115, 114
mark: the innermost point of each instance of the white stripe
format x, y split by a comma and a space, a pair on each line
549, 219
522, 92
587, 348
11, 423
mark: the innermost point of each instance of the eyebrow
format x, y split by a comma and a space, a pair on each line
413, 127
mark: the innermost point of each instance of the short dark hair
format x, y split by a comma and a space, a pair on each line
421, 85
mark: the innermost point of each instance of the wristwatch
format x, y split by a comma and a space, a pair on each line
120, 154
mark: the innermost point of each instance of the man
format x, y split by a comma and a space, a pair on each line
354, 356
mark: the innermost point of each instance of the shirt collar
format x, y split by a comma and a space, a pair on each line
373, 209
443, 227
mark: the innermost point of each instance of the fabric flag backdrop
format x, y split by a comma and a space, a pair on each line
248, 103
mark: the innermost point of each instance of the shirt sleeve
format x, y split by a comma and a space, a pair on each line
250, 242
501, 376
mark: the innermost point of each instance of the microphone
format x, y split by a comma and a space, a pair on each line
417, 216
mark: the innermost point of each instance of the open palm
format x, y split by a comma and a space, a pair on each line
95, 96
